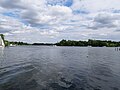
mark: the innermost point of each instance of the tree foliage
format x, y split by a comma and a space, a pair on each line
90, 42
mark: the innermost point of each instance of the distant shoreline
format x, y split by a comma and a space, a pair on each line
89, 43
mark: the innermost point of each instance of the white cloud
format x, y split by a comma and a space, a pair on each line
96, 5
52, 22
104, 20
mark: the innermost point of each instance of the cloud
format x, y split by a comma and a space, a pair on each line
118, 30
55, 15
95, 5
52, 20
11, 4
2, 30
105, 20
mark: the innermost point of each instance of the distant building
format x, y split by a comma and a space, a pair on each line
1, 42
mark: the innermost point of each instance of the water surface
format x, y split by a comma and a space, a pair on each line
59, 68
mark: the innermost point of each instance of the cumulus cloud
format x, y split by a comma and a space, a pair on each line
104, 20
118, 30
11, 4
52, 20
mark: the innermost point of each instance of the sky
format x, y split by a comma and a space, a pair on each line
52, 20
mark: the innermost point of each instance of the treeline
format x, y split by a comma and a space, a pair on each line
72, 43
90, 42
8, 43
19, 43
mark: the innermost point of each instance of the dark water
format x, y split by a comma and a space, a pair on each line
59, 68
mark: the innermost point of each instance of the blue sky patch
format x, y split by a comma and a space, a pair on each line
116, 11
11, 14
67, 3
80, 12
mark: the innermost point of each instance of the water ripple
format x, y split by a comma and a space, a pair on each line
59, 68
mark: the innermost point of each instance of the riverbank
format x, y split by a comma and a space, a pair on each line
89, 43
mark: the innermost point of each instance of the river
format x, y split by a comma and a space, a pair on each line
59, 68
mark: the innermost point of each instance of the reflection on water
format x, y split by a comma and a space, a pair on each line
1, 51
1, 56
59, 68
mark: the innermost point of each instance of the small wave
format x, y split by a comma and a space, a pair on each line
9, 72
